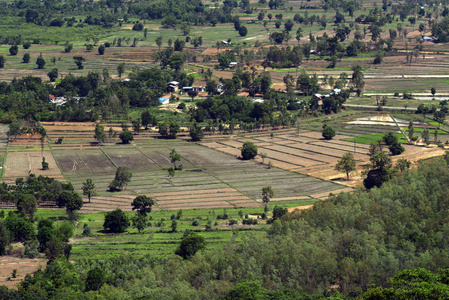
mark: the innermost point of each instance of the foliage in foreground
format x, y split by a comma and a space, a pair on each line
353, 241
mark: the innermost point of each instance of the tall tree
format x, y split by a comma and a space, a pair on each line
100, 134
357, 79
346, 164
88, 188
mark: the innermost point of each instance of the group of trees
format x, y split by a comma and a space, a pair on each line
18, 226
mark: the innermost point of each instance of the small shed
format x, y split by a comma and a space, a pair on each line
426, 39
233, 64
173, 86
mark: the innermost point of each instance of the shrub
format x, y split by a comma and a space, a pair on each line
195, 222
138, 26
26, 45
233, 222
250, 221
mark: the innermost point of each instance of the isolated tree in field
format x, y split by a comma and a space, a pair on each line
2, 61
101, 49
139, 222
116, 221
40, 62
328, 132
142, 204
53, 74
88, 188
346, 164
13, 50
267, 194
243, 31
433, 91
44, 164
26, 58
100, 135
174, 157
191, 245
122, 177
120, 69
26, 45
403, 164
159, 42
249, 150
79, 61
126, 136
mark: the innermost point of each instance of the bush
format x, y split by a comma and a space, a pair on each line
250, 221
26, 45
126, 136
138, 26
195, 222
233, 222
13, 50
181, 105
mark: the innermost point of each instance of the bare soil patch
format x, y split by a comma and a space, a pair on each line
21, 164
22, 265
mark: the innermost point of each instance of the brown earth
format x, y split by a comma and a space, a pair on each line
24, 266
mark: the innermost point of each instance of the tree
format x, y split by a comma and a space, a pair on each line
79, 61
176, 61
357, 79
243, 31
2, 61
191, 245
53, 74
346, 164
403, 164
120, 69
116, 221
70, 200
26, 45
192, 94
267, 194
100, 135
146, 118
88, 188
380, 170
96, 277
249, 150
26, 58
411, 130
425, 136
328, 132
196, 132
174, 225
159, 42
40, 62
139, 222
13, 50
171, 172
126, 136
122, 177
27, 206
142, 204
433, 91
101, 49
174, 157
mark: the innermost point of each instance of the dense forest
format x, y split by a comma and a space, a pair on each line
352, 243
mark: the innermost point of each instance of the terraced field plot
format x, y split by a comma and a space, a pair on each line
209, 179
